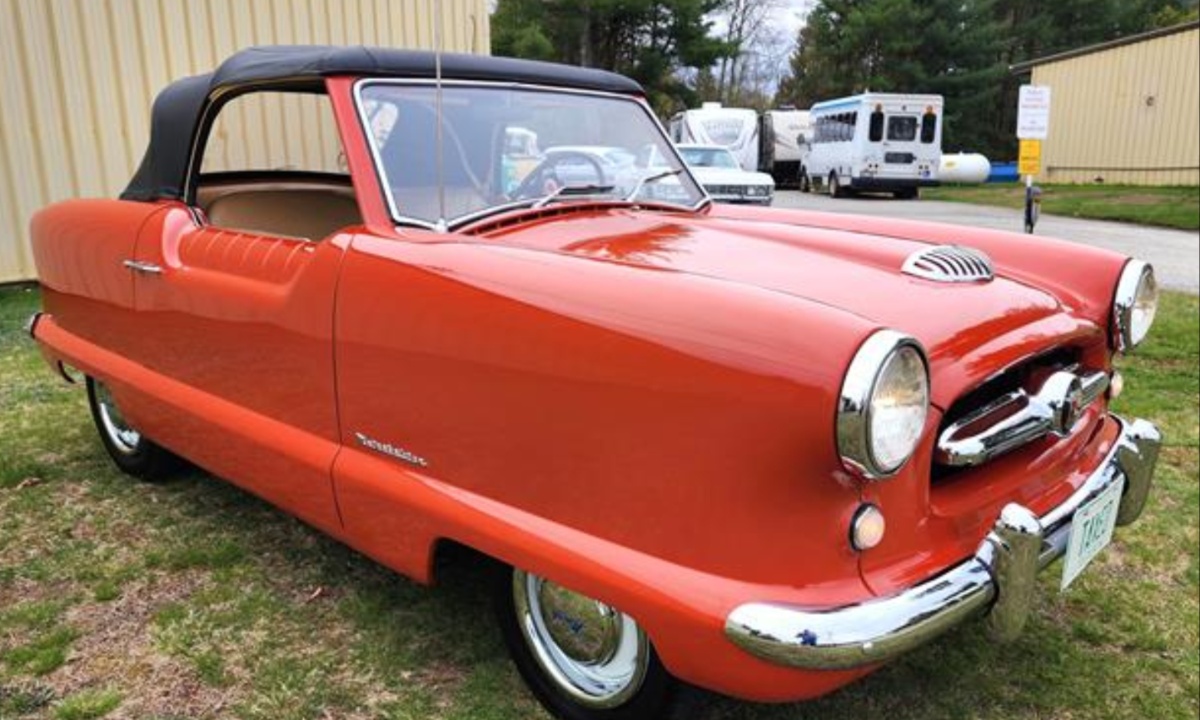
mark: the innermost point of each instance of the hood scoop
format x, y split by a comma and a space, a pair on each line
950, 264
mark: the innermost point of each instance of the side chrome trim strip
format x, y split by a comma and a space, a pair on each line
1000, 579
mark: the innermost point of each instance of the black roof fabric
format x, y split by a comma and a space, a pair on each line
175, 117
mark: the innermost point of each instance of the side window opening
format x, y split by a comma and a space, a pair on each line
273, 163
876, 131
928, 126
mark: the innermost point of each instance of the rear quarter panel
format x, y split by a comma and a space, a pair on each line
79, 247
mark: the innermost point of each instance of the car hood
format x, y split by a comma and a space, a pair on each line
859, 273
731, 176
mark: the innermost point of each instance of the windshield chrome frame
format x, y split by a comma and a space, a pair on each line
407, 221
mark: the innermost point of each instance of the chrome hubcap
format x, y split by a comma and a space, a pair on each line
593, 652
122, 436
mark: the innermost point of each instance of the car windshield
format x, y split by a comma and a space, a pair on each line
504, 147
708, 157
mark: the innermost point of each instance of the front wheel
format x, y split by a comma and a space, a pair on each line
132, 451
583, 659
834, 186
805, 182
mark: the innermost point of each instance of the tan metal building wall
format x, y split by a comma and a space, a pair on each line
77, 78
1129, 114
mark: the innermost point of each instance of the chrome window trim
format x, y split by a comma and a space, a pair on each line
407, 221
853, 427
1124, 300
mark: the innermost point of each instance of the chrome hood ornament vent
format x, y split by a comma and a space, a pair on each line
950, 264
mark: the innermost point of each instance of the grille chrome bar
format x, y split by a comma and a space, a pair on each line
1019, 418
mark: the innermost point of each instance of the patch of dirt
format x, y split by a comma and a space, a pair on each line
115, 649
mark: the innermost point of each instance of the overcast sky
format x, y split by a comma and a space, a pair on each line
791, 14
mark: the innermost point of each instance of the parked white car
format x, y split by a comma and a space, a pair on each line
718, 171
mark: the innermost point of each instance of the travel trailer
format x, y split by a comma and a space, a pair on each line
712, 124
783, 136
875, 142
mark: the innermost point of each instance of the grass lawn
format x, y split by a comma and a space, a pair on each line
1173, 207
192, 599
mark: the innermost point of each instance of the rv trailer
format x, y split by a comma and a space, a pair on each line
711, 124
783, 136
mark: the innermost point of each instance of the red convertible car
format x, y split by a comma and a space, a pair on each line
757, 450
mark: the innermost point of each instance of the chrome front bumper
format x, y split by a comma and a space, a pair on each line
1000, 580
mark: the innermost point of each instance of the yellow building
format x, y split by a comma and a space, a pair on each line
1124, 112
77, 78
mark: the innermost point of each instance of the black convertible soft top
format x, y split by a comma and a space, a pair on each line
175, 118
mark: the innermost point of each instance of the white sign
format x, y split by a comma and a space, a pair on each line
1033, 112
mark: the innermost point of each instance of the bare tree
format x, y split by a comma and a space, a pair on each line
748, 23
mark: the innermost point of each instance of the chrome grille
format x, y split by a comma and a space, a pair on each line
950, 264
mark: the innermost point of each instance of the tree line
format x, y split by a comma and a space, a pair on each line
688, 51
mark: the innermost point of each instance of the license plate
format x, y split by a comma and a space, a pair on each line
1091, 531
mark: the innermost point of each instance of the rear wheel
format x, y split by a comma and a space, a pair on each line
132, 451
583, 659
834, 186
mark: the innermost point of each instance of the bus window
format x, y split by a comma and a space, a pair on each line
902, 127
846, 122
877, 125
928, 127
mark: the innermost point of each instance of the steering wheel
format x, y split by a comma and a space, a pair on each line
544, 179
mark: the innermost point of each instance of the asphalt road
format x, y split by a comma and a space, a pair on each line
1175, 254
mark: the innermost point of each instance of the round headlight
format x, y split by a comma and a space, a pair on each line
1134, 305
883, 405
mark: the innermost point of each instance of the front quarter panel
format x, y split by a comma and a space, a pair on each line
681, 421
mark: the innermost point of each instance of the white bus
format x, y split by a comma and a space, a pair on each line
875, 142
733, 128
782, 144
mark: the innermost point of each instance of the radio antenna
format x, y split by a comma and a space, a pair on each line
437, 100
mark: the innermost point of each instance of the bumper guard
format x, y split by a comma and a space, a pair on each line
1000, 580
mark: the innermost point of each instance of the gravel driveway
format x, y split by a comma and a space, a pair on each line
1175, 254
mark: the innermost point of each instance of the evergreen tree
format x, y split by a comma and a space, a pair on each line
961, 49
648, 40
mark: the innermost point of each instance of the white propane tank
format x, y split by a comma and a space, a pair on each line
964, 168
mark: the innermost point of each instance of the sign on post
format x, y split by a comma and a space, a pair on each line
1033, 112
1029, 162
1033, 124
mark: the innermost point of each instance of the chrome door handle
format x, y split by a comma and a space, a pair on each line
143, 267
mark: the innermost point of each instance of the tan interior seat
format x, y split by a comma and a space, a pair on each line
312, 213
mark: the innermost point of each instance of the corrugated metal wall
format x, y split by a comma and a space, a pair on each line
1130, 114
77, 78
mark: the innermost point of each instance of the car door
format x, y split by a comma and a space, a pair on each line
235, 314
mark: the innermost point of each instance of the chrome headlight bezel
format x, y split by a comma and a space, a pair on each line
856, 403
1136, 287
